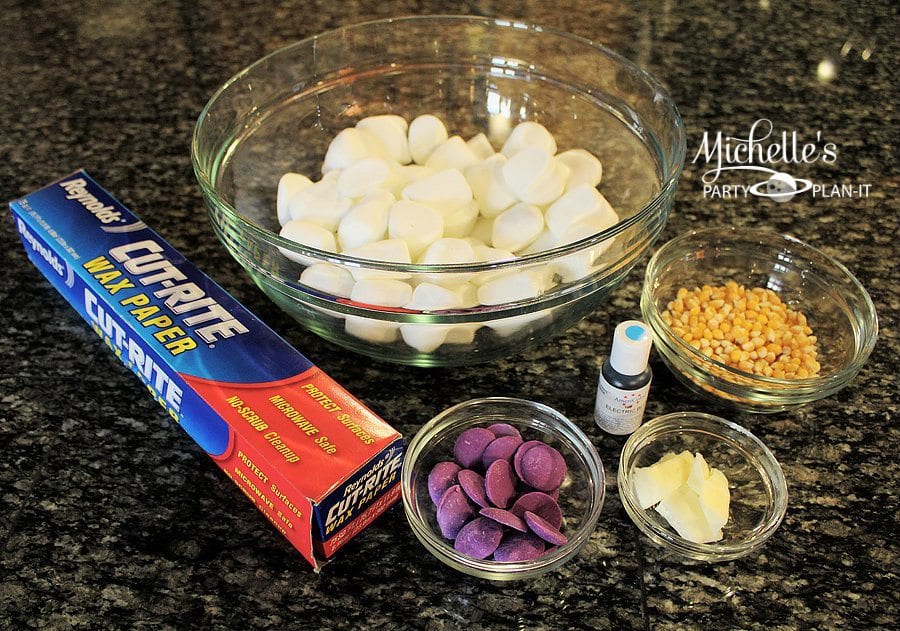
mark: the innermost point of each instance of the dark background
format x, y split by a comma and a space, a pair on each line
110, 517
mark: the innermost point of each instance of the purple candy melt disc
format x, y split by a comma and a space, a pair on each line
500, 483
503, 516
473, 486
503, 447
479, 538
504, 429
441, 478
521, 451
541, 505
453, 511
543, 467
470, 446
519, 547
543, 529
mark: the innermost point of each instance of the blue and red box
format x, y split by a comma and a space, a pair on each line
317, 462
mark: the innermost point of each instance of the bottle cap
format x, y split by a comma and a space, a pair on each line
630, 348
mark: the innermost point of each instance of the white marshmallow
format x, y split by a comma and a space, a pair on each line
578, 265
458, 223
390, 132
425, 338
545, 241
511, 287
584, 168
329, 279
365, 176
288, 185
528, 134
426, 132
488, 255
453, 153
366, 221
516, 228
388, 250
575, 205
533, 176
488, 187
448, 251
320, 204
382, 292
415, 223
375, 331
308, 234
483, 230
590, 225
462, 333
429, 297
467, 293
349, 146
445, 190
481, 146
407, 174
506, 327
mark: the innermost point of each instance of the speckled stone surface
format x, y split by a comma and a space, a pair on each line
110, 517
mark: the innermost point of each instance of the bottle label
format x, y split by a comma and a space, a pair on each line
619, 411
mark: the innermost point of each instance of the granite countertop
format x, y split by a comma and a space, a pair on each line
111, 517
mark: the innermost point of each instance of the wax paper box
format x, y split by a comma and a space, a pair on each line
318, 463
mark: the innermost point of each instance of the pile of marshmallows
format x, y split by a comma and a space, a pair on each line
410, 193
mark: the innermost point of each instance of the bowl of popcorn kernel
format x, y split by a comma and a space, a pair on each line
439, 191
760, 320
502, 488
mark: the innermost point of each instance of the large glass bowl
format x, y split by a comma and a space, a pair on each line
580, 496
838, 309
478, 75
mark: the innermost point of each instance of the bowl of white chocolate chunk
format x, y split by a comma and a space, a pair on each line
439, 191
702, 487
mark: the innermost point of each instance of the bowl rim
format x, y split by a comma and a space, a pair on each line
711, 425
688, 353
655, 205
496, 570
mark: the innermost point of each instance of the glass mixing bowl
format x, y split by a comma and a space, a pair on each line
838, 308
478, 75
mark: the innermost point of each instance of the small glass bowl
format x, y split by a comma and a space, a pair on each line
838, 308
581, 495
755, 479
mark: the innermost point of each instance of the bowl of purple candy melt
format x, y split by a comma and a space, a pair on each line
502, 488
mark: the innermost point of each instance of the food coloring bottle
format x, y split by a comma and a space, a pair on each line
624, 380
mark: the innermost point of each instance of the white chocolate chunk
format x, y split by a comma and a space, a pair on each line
453, 153
384, 292
288, 186
448, 251
375, 331
574, 206
387, 250
366, 221
308, 234
533, 176
426, 132
415, 223
349, 146
653, 483
511, 287
488, 186
480, 146
682, 509
320, 204
517, 227
529, 134
365, 176
390, 131
459, 223
329, 279
715, 499
445, 190
584, 168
